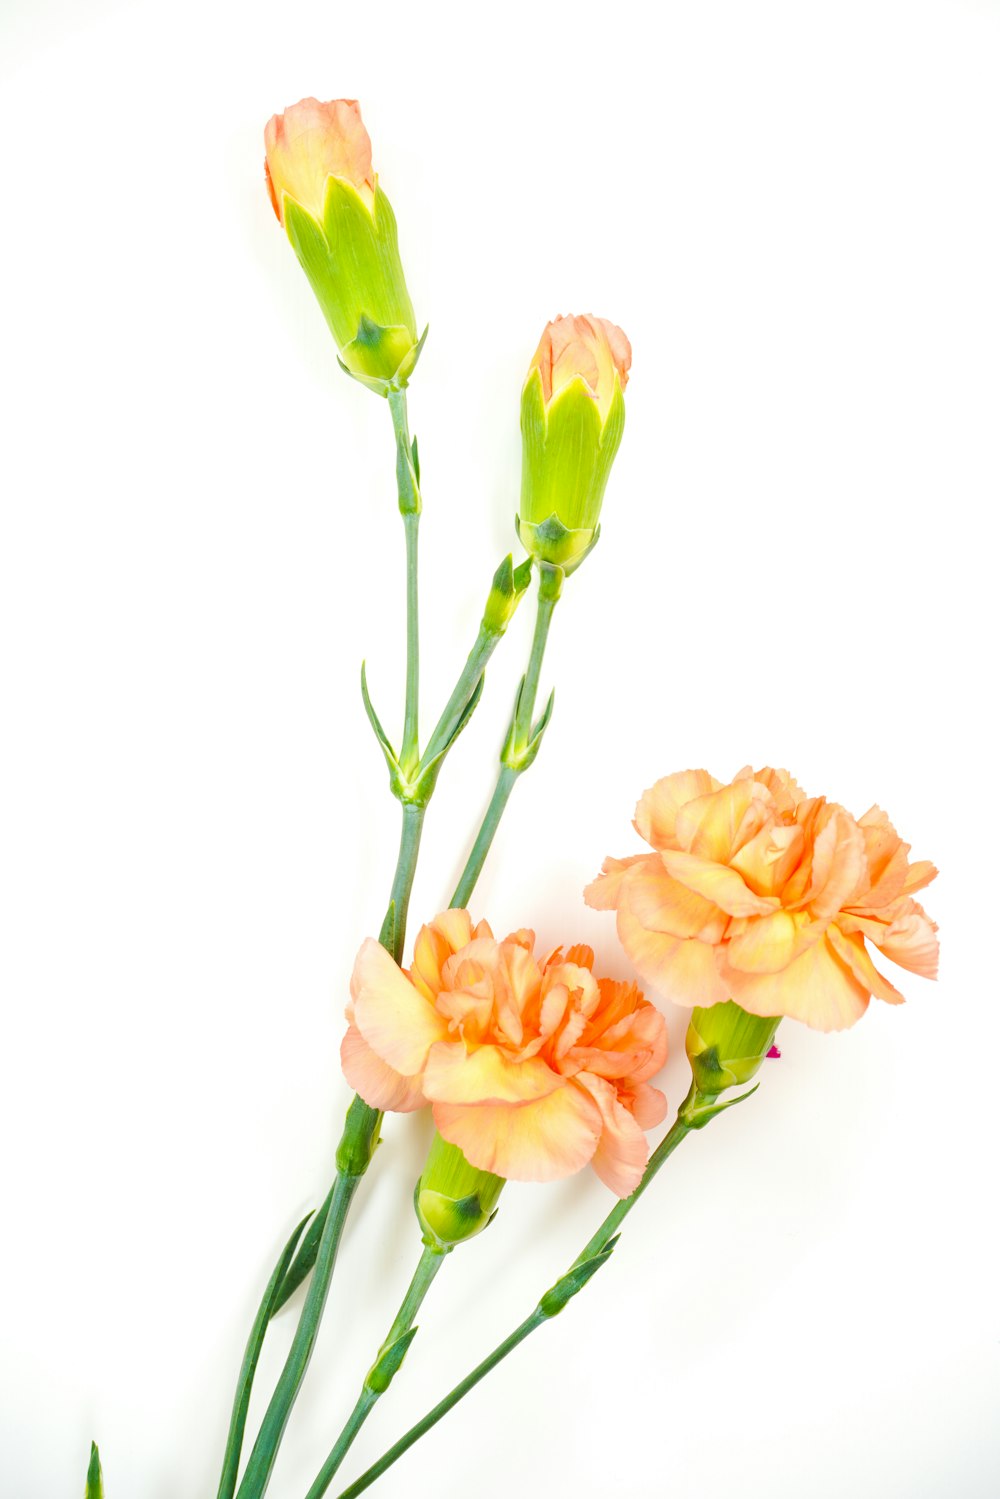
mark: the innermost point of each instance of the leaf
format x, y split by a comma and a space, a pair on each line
380, 734
304, 1259
244, 1385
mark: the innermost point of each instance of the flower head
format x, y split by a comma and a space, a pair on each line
311, 142
532, 1066
318, 165
761, 894
572, 418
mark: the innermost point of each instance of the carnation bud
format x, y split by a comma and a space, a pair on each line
509, 583
572, 418
454, 1201
726, 1046
343, 230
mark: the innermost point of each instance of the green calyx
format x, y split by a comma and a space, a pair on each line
453, 1200
726, 1046
567, 456
353, 265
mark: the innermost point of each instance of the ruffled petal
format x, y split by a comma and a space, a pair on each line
397, 1022
683, 970
912, 942
722, 886
816, 988
851, 950
656, 813
663, 904
622, 1150
456, 1074
375, 1080
602, 894
536, 1142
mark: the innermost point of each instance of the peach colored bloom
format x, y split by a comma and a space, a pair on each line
763, 895
532, 1067
587, 348
311, 142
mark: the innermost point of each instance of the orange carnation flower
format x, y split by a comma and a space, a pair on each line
763, 895
532, 1067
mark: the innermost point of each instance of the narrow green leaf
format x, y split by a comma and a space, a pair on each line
380, 734
697, 1117
241, 1404
95, 1478
304, 1259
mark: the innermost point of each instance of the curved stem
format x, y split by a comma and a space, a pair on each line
598, 1242
385, 1366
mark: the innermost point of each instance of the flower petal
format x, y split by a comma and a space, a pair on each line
456, 1074
816, 988
622, 1150
397, 1022
724, 887
375, 1080
663, 904
540, 1141
683, 970
656, 813
852, 951
602, 894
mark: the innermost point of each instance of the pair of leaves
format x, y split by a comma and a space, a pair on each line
416, 790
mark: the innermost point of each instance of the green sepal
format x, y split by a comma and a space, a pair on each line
244, 1385
95, 1477
391, 758
413, 445
553, 1302
726, 1045
701, 1109
351, 259
389, 1362
454, 1200
567, 457
551, 542
399, 380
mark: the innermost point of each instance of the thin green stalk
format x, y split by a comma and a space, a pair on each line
593, 1254
258, 1471
506, 781
409, 754
523, 739
389, 1359
444, 1406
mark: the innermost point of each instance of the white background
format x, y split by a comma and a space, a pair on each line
793, 211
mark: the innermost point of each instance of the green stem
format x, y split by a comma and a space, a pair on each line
380, 1375
598, 1242
409, 755
258, 1472
522, 741
406, 868
506, 781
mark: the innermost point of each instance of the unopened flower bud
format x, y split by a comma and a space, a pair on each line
341, 226
572, 418
454, 1201
726, 1046
509, 583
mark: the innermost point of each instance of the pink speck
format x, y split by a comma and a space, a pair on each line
774, 1052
